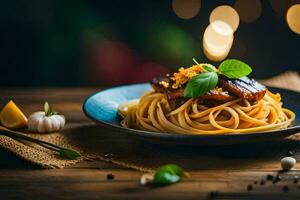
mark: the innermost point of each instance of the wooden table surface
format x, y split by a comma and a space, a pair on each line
87, 180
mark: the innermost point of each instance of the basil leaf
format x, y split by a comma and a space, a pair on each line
201, 84
233, 68
208, 68
168, 174
69, 154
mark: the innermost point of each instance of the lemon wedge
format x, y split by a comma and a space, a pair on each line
125, 107
12, 117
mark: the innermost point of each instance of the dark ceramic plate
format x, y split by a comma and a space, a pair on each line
102, 106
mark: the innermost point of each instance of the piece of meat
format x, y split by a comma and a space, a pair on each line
211, 95
218, 96
244, 88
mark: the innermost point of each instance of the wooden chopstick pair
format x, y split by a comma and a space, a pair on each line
65, 153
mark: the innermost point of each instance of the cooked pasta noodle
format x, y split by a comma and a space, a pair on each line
153, 113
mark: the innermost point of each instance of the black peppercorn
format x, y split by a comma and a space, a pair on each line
249, 187
296, 179
276, 179
262, 182
110, 176
255, 182
270, 177
285, 188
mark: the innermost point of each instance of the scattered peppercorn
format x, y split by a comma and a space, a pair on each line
276, 179
285, 188
249, 187
262, 182
296, 179
270, 177
110, 176
255, 182
289, 153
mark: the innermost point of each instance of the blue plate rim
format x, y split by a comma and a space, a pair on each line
151, 134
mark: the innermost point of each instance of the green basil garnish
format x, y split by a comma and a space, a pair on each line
233, 68
201, 84
204, 82
168, 174
208, 68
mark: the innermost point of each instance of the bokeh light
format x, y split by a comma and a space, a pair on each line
226, 14
186, 9
221, 28
249, 10
216, 45
293, 18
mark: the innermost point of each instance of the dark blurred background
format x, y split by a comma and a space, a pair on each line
104, 43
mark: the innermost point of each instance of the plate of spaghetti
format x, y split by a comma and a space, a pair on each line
201, 104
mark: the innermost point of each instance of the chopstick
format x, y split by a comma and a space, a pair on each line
63, 152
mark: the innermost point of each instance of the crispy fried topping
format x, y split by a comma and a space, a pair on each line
184, 75
164, 84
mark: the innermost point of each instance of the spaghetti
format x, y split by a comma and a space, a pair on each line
153, 113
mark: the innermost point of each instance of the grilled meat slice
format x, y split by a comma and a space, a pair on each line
244, 88
176, 99
211, 95
218, 96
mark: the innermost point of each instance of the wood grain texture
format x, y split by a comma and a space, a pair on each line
226, 176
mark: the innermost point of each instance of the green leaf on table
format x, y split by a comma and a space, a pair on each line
168, 174
233, 68
69, 154
201, 84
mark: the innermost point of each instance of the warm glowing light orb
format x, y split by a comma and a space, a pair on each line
293, 18
226, 14
221, 28
249, 10
186, 9
216, 45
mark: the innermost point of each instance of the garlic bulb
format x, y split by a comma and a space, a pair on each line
47, 121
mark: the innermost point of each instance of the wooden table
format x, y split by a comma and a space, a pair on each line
88, 180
